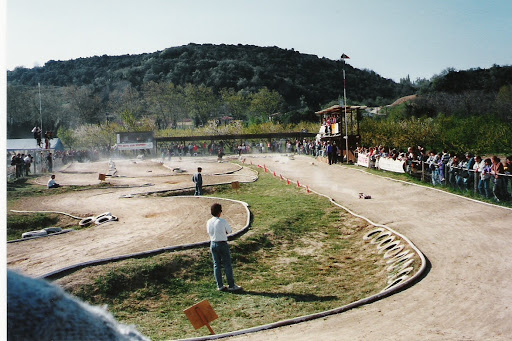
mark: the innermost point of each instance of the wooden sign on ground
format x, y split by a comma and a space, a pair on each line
201, 314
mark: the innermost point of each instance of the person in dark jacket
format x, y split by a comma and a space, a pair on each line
198, 180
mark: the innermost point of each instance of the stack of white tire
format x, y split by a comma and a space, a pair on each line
97, 220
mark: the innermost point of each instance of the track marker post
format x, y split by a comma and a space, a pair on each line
201, 314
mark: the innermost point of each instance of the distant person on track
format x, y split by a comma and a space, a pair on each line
329, 152
218, 229
52, 183
49, 162
198, 180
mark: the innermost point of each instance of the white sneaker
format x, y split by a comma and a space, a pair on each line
223, 288
234, 288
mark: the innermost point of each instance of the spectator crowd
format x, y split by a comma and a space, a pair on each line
488, 176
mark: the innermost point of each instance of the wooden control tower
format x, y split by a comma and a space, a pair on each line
339, 124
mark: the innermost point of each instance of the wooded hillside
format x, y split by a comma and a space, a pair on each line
248, 83
239, 67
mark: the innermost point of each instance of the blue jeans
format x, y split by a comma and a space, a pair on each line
199, 189
222, 257
484, 188
436, 177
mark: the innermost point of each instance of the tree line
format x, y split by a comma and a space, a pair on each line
85, 89
252, 85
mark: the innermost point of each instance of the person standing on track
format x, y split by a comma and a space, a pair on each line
198, 180
218, 230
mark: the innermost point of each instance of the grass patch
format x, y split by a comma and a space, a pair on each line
302, 255
19, 223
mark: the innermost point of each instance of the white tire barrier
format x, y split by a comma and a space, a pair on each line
398, 256
52, 229
386, 242
399, 262
388, 246
396, 281
86, 221
31, 234
393, 251
105, 219
401, 273
380, 237
102, 215
372, 234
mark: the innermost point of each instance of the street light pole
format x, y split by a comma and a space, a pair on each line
343, 57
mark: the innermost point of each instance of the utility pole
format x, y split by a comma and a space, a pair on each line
40, 109
343, 57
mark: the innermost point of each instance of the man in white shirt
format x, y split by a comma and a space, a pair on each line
218, 230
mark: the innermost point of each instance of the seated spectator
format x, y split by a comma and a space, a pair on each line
52, 183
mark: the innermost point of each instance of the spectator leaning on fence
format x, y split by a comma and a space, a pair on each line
507, 167
468, 168
498, 172
485, 177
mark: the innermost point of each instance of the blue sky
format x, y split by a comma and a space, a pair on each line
394, 38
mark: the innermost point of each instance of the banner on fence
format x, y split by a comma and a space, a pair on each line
134, 146
391, 165
363, 160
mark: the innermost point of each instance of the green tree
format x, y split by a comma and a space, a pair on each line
504, 103
265, 103
235, 103
85, 104
67, 137
201, 103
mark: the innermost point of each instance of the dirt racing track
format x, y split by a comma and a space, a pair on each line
145, 223
466, 293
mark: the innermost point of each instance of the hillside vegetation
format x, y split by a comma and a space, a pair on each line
201, 84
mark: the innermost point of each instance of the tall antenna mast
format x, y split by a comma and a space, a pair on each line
40, 110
